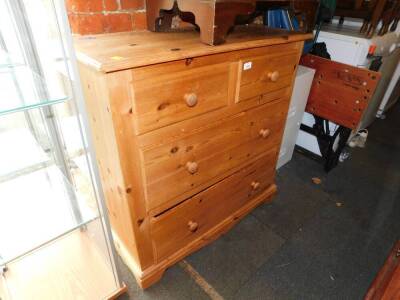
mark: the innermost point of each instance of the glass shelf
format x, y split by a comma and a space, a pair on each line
55, 199
22, 89
9, 60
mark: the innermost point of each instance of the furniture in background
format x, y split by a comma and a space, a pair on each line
346, 45
301, 90
339, 94
371, 12
187, 135
215, 18
386, 285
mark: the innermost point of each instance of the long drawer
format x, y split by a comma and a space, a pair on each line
176, 170
189, 220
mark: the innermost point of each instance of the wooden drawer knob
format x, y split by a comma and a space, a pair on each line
264, 133
273, 76
192, 167
255, 185
193, 226
191, 99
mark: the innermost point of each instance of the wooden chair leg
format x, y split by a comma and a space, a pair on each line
376, 16
384, 29
358, 4
364, 27
371, 30
396, 17
394, 24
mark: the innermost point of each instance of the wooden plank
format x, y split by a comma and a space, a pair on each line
330, 102
387, 283
393, 289
73, 267
112, 52
102, 97
339, 93
119, 91
97, 103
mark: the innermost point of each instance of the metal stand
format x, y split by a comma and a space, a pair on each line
330, 145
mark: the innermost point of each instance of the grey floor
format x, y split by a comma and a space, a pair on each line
324, 241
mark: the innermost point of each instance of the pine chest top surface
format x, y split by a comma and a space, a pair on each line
119, 51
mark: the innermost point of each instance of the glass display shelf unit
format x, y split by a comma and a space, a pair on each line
52, 223
45, 190
22, 89
40, 198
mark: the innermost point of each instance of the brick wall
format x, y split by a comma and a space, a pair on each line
104, 16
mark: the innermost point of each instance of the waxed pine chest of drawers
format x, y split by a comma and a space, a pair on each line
186, 135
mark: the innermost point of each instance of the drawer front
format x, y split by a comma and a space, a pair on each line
165, 99
176, 170
263, 74
188, 221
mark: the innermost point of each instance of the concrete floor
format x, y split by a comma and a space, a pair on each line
304, 245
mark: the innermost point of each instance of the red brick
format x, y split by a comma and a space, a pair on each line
117, 22
73, 23
87, 24
139, 21
85, 5
132, 4
110, 5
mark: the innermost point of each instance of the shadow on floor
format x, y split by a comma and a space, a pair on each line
324, 241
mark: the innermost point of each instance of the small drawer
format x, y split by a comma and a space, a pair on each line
179, 226
169, 98
263, 74
176, 170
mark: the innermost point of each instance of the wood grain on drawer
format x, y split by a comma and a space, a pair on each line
263, 74
168, 98
189, 220
176, 170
